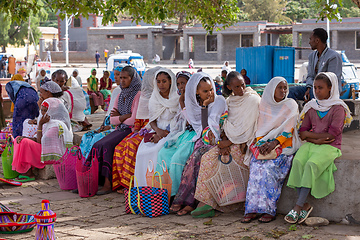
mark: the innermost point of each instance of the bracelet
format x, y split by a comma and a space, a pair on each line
204, 106
39, 130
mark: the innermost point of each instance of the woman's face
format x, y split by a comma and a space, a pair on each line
60, 79
280, 91
243, 72
205, 90
106, 74
75, 74
45, 94
181, 84
125, 79
322, 90
93, 72
163, 83
237, 85
117, 77
43, 110
43, 73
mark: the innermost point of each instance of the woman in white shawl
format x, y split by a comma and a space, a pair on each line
163, 107
238, 132
204, 110
53, 137
41, 78
269, 166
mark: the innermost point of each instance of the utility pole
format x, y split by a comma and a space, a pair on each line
328, 27
28, 41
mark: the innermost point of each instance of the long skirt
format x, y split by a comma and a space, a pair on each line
2, 117
146, 151
25, 107
27, 154
313, 167
104, 151
208, 168
176, 157
124, 160
265, 182
186, 192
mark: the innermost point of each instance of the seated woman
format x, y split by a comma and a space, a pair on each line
25, 100
163, 107
123, 116
179, 145
53, 137
203, 109
106, 85
125, 152
237, 134
322, 123
276, 126
41, 78
74, 101
91, 137
93, 90
47, 90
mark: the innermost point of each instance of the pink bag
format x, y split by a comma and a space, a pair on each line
87, 174
65, 168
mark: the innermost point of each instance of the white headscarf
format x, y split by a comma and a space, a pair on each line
162, 109
326, 104
78, 78
193, 109
240, 125
59, 117
51, 87
79, 100
147, 88
276, 118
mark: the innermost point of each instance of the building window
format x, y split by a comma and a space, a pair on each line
77, 22
246, 40
357, 40
141, 36
268, 39
119, 36
211, 43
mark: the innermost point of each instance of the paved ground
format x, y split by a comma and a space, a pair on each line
104, 217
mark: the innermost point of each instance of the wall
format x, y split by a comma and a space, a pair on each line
346, 41
231, 42
199, 50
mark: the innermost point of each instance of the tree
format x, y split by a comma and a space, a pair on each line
270, 10
211, 14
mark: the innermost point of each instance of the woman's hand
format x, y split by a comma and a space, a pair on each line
267, 147
103, 128
320, 141
161, 133
18, 139
303, 135
209, 100
64, 88
114, 112
155, 138
211, 138
225, 151
34, 121
44, 119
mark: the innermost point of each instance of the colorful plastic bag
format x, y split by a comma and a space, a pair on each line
65, 168
7, 159
87, 175
165, 177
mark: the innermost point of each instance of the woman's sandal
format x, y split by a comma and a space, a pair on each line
24, 178
292, 217
304, 215
175, 208
249, 217
266, 218
201, 210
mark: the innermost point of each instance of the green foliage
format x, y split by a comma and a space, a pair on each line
329, 10
297, 10
293, 227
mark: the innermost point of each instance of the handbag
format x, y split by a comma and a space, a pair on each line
271, 155
148, 201
228, 185
165, 177
65, 168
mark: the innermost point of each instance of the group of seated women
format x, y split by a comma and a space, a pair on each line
180, 120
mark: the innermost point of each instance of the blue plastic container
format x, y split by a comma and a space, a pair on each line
265, 62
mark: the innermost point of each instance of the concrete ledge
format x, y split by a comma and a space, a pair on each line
46, 173
346, 198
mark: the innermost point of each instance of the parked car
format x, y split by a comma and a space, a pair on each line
126, 57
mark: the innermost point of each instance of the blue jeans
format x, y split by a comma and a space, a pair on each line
298, 92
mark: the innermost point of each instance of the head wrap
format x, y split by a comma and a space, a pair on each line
193, 109
92, 81
51, 87
325, 104
17, 77
278, 118
163, 109
184, 74
147, 87
13, 87
127, 95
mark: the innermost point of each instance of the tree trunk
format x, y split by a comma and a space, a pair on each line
181, 21
357, 2
3, 48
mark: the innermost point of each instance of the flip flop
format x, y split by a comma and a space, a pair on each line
206, 215
304, 215
248, 219
293, 215
11, 181
267, 218
23, 178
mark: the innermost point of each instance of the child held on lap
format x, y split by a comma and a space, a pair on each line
322, 122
